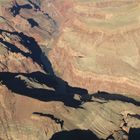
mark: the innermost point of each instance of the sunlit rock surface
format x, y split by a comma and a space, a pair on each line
69, 69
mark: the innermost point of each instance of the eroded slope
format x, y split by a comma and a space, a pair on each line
101, 42
53, 54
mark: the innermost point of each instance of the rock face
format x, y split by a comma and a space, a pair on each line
99, 46
69, 69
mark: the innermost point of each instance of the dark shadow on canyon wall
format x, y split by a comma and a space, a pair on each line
137, 116
13, 48
52, 117
35, 51
32, 22
76, 134
134, 134
15, 8
35, 5
115, 97
61, 90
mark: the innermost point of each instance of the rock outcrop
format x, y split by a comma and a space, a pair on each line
69, 69
99, 46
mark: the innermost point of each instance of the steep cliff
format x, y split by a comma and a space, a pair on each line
69, 70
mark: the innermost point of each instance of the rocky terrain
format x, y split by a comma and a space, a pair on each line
69, 70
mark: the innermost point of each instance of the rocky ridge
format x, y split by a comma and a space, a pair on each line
69, 68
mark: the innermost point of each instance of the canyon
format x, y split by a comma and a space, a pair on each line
69, 70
